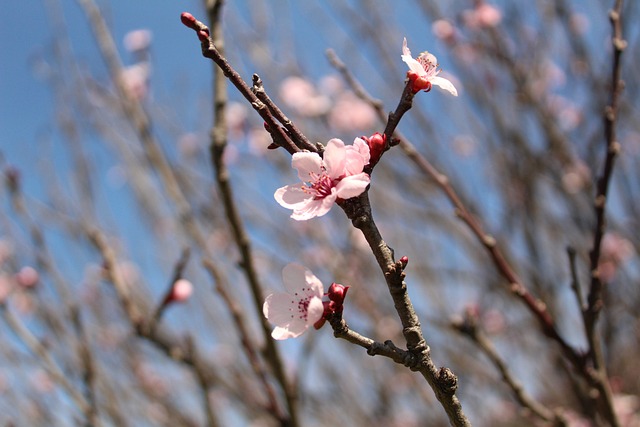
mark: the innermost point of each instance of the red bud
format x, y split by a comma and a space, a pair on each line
418, 83
377, 144
188, 20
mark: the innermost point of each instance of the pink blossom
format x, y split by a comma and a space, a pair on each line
181, 291
27, 277
137, 40
293, 311
136, 80
423, 71
301, 95
325, 180
444, 30
351, 113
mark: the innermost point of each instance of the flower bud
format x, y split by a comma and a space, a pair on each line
188, 20
337, 294
377, 144
181, 291
27, 277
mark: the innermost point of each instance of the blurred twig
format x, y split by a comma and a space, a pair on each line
217, 149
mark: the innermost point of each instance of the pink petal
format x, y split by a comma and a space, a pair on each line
352, 186
445, 84
306, 164
357, 157
335, 158
292, 196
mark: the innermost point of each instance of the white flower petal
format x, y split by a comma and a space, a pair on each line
315, 310
352, 186
445, 84
314, 208
292, 196
279, 333
306, 164
299, 280
405, 48
414, 65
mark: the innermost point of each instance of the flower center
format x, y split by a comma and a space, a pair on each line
302, 306
428, 62
320, 186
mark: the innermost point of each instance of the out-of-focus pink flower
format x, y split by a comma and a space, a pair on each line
258, 141
181, 291
423, 71
483, 15
615, 251
137, 40
27, 277
444, 30
338, 175
351, 113
136, 80
293, 311
5, 288
575, 177
301, 95
236, 118
488, 15
189, 145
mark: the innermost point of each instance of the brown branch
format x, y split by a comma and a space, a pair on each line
299, 138
209, 50
469, 328
442, 381
537, 307
595, 299
40, 350
241, 239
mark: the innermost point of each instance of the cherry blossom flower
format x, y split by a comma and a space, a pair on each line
423, 71
325, 180
293, 311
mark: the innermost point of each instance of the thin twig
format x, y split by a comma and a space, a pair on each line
469, 328
49, 364
241, 239
209, 50
442, 381
299, 138
536, 306
594, 299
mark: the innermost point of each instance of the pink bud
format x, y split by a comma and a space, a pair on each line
181, 291
337, 293
188, 20
404, 260
27, 277
377, 144
203, 35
